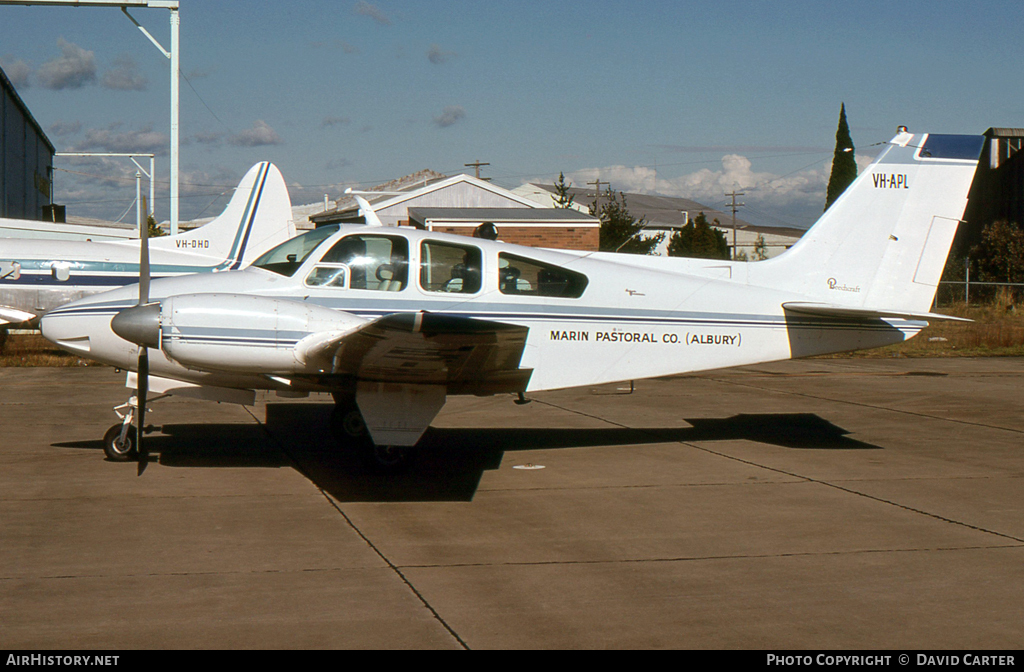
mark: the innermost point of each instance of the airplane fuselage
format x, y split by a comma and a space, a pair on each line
609, 320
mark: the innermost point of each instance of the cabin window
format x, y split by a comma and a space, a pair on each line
519, 275
454, 269
286, 258
328, 275
377, 263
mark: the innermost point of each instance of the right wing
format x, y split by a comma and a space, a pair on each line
10, 315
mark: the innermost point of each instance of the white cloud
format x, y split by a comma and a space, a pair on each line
438, 56
364, 8
144, 141
450, 116
17, 71
125, 76
795, 198
75, 68
261, 134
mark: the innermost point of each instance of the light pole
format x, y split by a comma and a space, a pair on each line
172, 55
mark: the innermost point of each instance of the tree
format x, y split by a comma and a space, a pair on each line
699, 239
562, 198
154, 230
620, 231
844, 166
1000, 254
760, 248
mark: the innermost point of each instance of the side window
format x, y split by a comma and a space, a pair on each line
518, 275
450, 268
378, 263
327, 275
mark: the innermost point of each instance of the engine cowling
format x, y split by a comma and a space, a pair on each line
247, 334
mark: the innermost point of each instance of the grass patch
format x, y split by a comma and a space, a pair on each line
34, 350
997, 331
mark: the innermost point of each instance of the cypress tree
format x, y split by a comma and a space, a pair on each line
844, 167
563, 198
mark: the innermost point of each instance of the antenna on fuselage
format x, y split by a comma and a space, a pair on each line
365, 209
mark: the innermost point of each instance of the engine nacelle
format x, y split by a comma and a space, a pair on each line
248, 334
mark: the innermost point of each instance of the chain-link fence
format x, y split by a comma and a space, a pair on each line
978, 293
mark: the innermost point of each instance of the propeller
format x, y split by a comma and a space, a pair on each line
140, 324
143, 370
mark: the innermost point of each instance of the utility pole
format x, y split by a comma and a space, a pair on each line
477, 167
597, 192
734, 205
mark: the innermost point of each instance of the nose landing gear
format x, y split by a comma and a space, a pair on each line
119, 440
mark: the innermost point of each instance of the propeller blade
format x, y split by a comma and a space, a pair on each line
143, 371
142, 393
143, 263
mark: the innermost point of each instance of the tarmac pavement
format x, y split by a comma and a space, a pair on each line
815, 504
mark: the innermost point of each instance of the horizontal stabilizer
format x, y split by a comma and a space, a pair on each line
827, 310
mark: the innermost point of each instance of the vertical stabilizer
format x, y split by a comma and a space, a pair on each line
884, 242
258, 217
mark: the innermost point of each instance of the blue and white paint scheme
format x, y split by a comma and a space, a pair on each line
37, 276
391, 320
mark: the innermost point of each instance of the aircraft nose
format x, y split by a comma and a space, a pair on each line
139, 325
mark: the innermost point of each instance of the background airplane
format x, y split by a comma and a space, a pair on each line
39, 275
392, 320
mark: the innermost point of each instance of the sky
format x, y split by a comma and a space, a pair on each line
690, 99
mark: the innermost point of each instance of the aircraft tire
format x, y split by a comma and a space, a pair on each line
388, 459
114, 450
348, 425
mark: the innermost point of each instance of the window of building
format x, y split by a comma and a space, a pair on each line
450, 268
374, 262
519, 275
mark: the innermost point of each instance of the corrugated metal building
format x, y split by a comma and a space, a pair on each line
26, 158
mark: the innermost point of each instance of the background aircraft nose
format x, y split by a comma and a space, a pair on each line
139, 325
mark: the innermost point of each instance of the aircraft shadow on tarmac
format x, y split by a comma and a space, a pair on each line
451, 461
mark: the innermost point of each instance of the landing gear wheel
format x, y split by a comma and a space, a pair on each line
117, 450
348, 425
389, 459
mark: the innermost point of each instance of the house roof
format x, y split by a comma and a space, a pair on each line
409, 188
503, 215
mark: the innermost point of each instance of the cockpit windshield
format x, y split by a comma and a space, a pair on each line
286, 258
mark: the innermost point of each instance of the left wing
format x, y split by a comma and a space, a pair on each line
468, 356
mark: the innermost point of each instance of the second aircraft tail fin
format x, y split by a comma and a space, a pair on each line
258, 217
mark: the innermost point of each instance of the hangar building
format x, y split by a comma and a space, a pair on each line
26, 159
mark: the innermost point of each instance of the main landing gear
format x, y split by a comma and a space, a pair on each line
350, 431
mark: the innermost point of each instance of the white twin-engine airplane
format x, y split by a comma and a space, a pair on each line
392, 320
37, 276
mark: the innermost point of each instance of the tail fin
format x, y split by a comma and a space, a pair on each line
258, 217
884, 242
